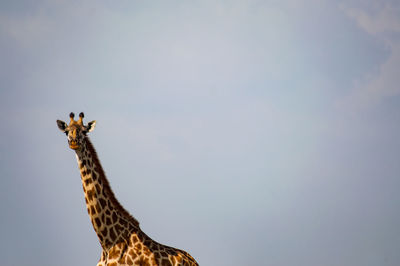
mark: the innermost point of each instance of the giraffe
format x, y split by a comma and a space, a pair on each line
119, 233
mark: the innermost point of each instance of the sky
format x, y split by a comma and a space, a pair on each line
244, 132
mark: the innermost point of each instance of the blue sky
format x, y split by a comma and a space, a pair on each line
245, 132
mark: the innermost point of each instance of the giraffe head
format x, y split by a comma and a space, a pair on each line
75, 131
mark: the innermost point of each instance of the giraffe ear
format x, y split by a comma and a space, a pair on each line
62, 125
90, 126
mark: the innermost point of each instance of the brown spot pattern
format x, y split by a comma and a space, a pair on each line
119, 233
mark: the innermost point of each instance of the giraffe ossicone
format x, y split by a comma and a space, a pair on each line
119, 233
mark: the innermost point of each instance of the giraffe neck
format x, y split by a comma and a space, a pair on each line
111, 222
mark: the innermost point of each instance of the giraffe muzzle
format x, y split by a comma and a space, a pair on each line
73, 145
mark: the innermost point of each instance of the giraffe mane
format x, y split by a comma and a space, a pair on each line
106, 184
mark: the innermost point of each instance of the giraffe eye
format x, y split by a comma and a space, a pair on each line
66, 133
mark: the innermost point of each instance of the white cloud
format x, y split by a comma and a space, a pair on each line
25, 30
383, 25
387, 19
